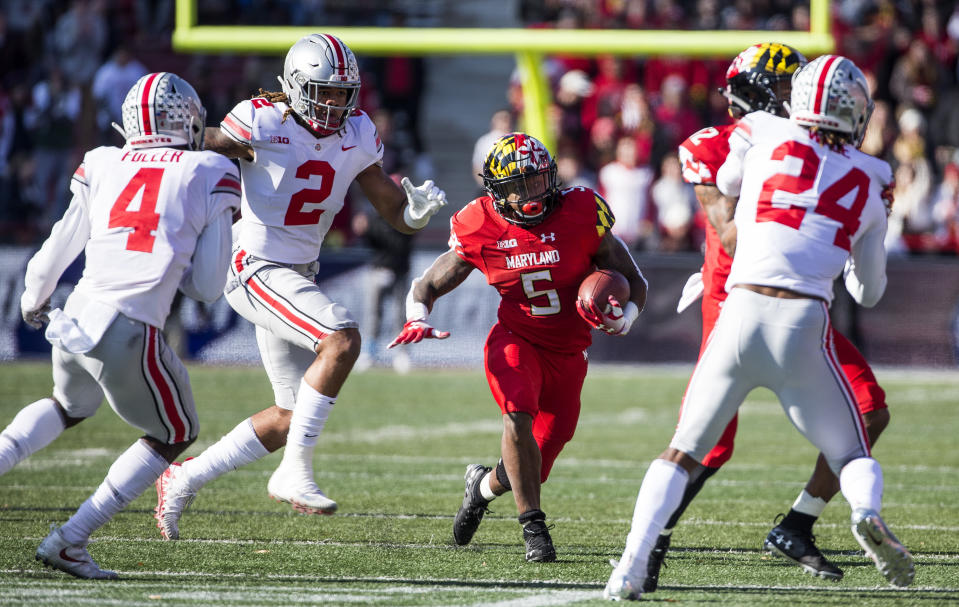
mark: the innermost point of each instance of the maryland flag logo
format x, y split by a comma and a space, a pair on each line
604, 217
515, 154
772, 57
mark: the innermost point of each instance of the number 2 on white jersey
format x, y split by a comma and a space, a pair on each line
828, 204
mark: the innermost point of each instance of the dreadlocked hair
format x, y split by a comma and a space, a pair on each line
833, 140
276, 97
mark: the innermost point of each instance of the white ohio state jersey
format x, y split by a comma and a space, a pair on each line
297, 182
146, 209
804, 209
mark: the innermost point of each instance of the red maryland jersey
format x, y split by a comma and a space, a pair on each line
701, 156
536, 269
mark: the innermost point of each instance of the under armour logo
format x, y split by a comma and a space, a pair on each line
551, 237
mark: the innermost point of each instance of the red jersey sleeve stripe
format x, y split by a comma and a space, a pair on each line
235, 128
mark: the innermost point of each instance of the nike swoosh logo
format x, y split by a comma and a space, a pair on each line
344, 147
311, 435
66, 557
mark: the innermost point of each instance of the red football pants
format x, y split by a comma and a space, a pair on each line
543, 383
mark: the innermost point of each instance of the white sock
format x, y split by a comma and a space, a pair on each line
306, 424
485, 490
309, 416
33, 428
130, 475
239, 447
659, 496
808, 504
862, 483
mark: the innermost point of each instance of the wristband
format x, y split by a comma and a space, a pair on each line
416, 224
630, 313
416, 310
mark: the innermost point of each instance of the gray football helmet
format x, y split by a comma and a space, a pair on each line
320, 61
831, 93
163, 110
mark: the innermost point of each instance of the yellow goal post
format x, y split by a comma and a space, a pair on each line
528, 45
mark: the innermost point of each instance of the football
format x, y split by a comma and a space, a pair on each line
598, 286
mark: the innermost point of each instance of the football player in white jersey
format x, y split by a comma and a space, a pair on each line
299, 151
810, 206
152, 217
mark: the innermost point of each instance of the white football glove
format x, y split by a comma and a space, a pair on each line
37, 317
424, 202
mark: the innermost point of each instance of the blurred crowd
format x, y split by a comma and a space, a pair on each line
65, 67
618, 120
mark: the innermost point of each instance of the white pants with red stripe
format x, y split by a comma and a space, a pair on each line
785, 346
142, 379
292, 315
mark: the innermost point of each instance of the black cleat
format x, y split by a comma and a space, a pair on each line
800, 548
539, 545
470, 514
655, 562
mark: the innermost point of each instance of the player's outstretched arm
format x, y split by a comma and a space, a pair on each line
446, 273
406, 207
719, 211
614, 255
217, 141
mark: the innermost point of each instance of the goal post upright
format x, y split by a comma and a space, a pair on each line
528, 45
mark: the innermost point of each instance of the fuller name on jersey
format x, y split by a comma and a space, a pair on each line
298, 181
537, 269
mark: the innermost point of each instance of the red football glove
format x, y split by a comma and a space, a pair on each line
888, 196
415, 331
612, 322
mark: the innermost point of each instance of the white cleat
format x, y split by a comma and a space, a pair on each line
622, 586
173, 497
892, 559
299, 491
55, 552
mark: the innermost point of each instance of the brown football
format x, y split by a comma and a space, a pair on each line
598, 286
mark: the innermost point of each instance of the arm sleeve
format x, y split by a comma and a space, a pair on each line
729, 177
238, 123
205, 278
67, 239
865, 272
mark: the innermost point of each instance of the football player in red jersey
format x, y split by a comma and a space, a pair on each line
534, 243
759, 79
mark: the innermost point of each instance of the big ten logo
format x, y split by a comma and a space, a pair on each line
279, 139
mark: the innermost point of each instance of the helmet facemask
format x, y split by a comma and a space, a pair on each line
520, 176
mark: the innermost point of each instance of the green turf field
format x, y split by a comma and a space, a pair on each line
393, 456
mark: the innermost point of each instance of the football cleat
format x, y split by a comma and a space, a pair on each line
891, 558
470, 514
299, 491
174, 495
800, 548
655, 562
54, 551
622, 586
539, 545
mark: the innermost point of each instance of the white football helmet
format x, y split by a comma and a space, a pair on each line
320, 61
163, 110
831, 93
